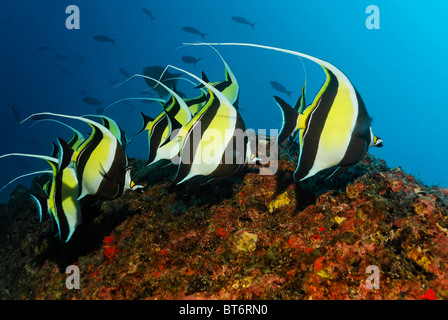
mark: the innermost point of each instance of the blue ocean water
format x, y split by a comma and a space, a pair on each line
399, 69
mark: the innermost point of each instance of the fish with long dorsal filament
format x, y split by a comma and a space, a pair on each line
60, 193
160, 128
335, 130
100, 161
67, 207
205, 143
61, 202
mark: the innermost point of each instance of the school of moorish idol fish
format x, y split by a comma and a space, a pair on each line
198, 135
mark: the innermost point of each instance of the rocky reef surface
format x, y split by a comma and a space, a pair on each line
250, 237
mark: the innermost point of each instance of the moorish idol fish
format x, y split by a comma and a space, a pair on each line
160, 128
54, 162
335, 128
61, 203
208, 144
67, 208
100, 161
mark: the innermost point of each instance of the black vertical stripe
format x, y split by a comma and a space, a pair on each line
191, 143
63, 223
156, 137
67, 153
112, 184
314, 127
360, 139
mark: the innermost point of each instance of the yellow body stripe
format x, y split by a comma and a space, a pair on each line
339, 124
231, 92
209, 146
70, 204
302, 120
97, 164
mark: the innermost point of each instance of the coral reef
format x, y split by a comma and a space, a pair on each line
251, 237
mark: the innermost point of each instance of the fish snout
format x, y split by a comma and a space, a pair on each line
378, 142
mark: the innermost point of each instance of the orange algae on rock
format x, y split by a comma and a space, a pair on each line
222, 241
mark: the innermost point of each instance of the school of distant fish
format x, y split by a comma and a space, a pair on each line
112, 40
334, 131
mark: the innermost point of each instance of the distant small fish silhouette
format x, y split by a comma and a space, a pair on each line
243, 21
191, 59
15, 112
102, 38
279, 87
194, 31
92, 101
81, 59
68, 72
83, 92
148, 13
124, 72
61, 57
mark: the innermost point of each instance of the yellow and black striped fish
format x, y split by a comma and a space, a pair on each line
101, 164
60, 202
335, 130
208, 138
